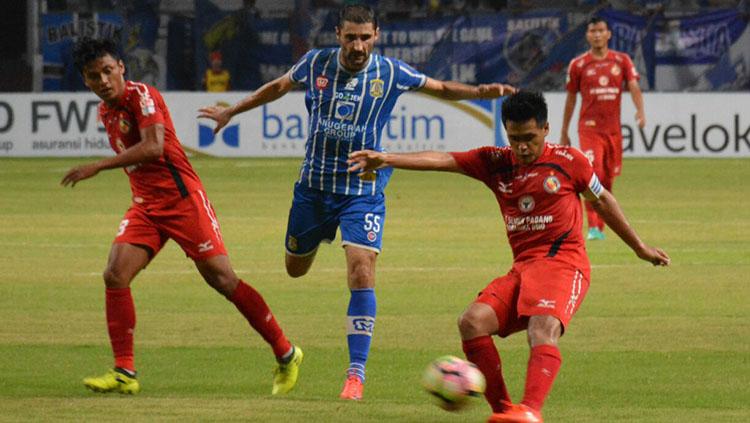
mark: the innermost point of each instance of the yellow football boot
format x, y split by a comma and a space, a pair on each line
113, 381
285, 375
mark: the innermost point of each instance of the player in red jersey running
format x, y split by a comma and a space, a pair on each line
168, 202
599, 75
537, 186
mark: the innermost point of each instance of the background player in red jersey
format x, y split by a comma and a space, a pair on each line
537, 186
599, 75
168, 202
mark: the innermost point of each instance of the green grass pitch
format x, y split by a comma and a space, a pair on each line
648, 345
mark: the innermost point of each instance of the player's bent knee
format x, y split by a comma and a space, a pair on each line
470, 325
115, 279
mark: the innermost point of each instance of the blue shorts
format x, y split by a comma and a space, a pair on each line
315, 215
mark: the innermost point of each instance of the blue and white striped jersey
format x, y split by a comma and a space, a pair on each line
347, 112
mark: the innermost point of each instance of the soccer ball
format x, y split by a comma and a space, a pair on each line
452, 381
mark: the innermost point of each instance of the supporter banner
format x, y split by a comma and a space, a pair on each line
699, 39
634, 35
59, 32
141, 30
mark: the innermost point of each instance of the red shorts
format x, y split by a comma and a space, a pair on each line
191, 222
605, 153
540, 287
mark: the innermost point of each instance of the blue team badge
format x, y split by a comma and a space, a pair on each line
526, 203
551, 184
345, 110
376, 88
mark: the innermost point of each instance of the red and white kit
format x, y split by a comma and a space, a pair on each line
168, 197
542, 216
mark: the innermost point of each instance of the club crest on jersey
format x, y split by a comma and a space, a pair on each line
376, 88
603, 80
551, 184
367, 176
372, 236
124, 126
321, 82
615, 70
345, 110
526, 203
291, 243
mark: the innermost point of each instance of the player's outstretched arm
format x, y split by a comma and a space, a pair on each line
150, 148
452, 90
368, 160
608, 208
265, 94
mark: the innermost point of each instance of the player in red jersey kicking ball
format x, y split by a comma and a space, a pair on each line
168, 202
537, 187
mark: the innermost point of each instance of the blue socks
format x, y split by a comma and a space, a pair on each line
360, 322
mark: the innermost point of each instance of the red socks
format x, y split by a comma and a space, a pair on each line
482, 352
251, 304
544, 363
593, 218
121, 324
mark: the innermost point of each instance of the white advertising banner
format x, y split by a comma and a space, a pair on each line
678, 125
54, 125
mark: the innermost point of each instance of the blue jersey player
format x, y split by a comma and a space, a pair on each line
349, 94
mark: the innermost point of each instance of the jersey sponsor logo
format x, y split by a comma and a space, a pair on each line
291, 243
615, 70
603, 80
546, 303
551, 184
205, 246
591, 72
124, 125
351, 84
344, 110
526, 203
504, 188
376, 88
361, 325
564, 153
147, 106
321, 82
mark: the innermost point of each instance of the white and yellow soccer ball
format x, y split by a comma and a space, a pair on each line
453, 381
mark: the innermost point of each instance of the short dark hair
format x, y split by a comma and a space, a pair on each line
595, 20
88, 49
525, 105
358, 14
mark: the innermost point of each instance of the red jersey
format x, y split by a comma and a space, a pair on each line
600, 82
171, 176
539, 201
